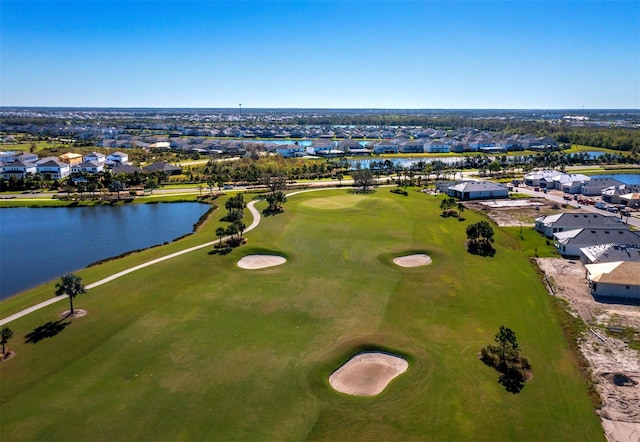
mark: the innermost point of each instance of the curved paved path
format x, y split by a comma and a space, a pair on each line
256, 220
253, 225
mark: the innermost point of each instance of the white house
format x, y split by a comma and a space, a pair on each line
88, 167
95, 156
471, 190
570, 242
54, 169
18, 169
596, 185
437, 146
118, 158
619, 279
290, 150
561, 222
384, 146
412, 146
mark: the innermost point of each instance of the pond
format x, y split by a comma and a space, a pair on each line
38, 245
627, 178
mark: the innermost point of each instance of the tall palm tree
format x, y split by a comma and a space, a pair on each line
5, 334
72, 286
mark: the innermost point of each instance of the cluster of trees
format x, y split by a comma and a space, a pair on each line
447, 207
505, 357
480, 239
235, 214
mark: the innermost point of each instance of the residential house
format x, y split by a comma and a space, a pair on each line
126, 169
384, 147
71, 158
17, 169
631, 200
117, 158
24, 157
163, 167
619, 279
290, 150
550, 224
90, 166
612, 194
610, 252
570, 242
472, 190
412, 146
596, 185
95, 156
54, 169
437, 146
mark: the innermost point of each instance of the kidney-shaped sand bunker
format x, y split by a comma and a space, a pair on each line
367, 374
252, 262
416, 260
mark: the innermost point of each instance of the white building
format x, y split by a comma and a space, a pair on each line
619, 279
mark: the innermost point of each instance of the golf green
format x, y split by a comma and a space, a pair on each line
195, 348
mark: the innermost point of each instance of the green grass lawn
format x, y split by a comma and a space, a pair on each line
195, 348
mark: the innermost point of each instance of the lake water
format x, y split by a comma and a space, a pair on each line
38, 245
627, 178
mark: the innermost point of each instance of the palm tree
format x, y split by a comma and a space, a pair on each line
220, 233
5, 334
72, 286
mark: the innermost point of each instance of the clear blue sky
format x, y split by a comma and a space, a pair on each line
326, 54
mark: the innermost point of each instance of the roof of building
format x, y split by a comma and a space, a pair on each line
579, 220
595, 236
479, 186
165, 167
617, 272
612, 252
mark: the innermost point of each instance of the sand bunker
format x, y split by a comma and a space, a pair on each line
416, 260
367, 374
253, 262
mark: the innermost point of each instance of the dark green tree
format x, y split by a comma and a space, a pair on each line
5, 334
362, 178
70, 285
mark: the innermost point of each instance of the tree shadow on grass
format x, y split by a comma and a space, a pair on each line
48, 330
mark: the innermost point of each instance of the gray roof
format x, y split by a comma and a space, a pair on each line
612, 252
577, 220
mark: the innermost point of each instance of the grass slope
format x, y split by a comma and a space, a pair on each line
196, 349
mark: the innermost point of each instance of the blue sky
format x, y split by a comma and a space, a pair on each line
325, 54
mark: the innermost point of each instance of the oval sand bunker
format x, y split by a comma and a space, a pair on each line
367, 374
416, 260
252, 262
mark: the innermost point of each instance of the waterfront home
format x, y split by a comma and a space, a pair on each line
384, 146
412, 146
290, 150
570, 242
320, 147
596, 185
17, 169
619, 279
536, 179
472, 190
53, 169
437, 146
550, 224
613, 194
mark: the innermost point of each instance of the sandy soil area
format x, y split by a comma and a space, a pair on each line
417, 260
367, 374
517, 212
615, 367
253, 262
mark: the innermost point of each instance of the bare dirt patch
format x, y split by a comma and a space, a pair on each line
416, 260
77, 313
367, 374
253, 262
515, 213
615, 367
